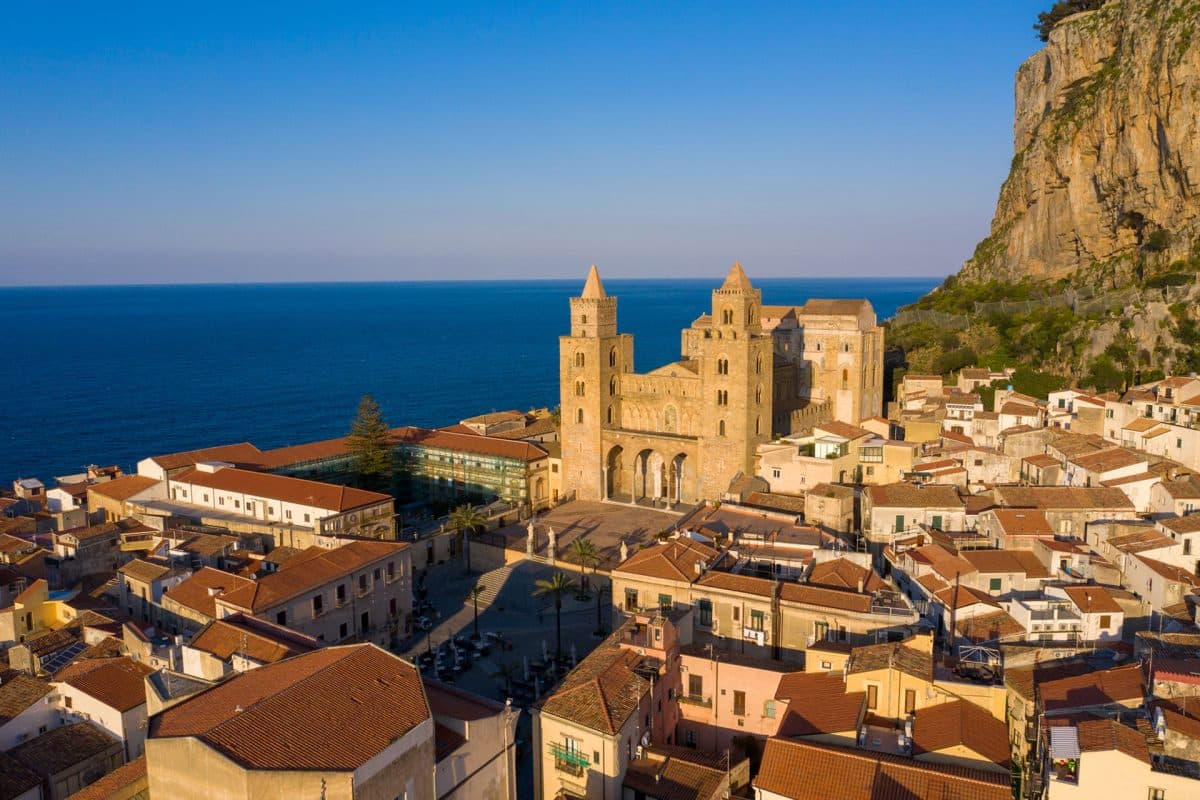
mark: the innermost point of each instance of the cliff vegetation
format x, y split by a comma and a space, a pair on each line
1089, 271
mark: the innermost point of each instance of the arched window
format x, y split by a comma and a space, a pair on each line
845, 379
579, 388
612, 386
579, 359
722, 366
720, 428
610, 415
757, 423
750, 315
722, 397
583, 319
845, 347
727, 316
612, 357
579, 416
758, 365
758, 394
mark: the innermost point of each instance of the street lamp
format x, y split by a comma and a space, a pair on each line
601, 588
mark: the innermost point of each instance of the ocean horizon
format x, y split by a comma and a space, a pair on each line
113, 374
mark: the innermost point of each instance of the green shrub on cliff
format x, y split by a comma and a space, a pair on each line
1060, 11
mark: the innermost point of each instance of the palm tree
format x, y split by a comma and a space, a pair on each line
473, 596
467, 518
586, 554
556, 587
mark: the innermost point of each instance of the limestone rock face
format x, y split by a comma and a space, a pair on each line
1107, 144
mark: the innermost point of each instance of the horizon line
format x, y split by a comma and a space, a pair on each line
718, 278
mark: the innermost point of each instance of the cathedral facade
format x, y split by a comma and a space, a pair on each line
747, 373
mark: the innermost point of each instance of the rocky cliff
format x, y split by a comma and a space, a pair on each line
1090, 270
1106, 146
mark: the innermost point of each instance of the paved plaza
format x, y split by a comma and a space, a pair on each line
606, 524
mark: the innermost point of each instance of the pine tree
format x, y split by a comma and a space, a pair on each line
370, 443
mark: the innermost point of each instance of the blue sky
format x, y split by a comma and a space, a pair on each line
174, 143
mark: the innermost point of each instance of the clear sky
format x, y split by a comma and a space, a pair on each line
169, 142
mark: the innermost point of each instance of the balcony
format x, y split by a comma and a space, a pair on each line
569, 761
696, 700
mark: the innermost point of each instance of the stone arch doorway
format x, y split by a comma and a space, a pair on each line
614, 468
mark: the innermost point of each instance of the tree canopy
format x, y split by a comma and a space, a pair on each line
1060, 11
370, 441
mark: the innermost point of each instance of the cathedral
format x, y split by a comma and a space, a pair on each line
748, 373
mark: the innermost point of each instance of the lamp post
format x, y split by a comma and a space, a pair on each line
601, 588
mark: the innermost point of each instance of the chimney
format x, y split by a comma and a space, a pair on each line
860, 585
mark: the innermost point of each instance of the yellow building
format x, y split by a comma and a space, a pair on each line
681, 432
339, 723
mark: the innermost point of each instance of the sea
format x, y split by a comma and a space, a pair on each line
113, 374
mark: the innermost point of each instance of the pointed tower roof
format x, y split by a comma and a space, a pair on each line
593, 289
736, 280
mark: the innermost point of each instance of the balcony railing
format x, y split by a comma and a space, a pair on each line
570, 761
696, 700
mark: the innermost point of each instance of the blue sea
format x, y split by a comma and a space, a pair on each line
110, 375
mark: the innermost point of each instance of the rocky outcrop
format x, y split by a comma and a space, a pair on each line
1107, 148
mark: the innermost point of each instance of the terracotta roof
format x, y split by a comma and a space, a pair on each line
1098, 735
810, 771
673, 775
116, 682
144, 571
743, 584
964, 596
194, 592
1140, 540
1185, 488
121, 779
1140, 425
62, 748
1187, 524
825, 307
989, 627
306, 452
1042, 460
824, 598
266, 718
19, 692
777, 502
16, 778
1102, 687
313, 568
961, 723
601, 692
241, 453
946, 563
1018, 410
1023, 680
932, 582
1008, 561
842, 429
1023, 522
1093, 599
327, 496
842, 573
1130, 479
253, 638
460, 442
818, 703
1064, 497
122, 488
673, 560
891, 655
1107, 460
1170, 571
907, 495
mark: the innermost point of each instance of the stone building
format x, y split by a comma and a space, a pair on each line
681, 432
